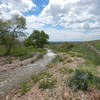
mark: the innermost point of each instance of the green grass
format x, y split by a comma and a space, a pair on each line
47, 83
36, 78
79, 49
87, 52
25, 87
83, 80
66, 70
57, 59
22, 51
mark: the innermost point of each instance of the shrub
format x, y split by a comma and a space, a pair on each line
83, 80
65, 70
25, 87
40, 76
57, 59
48, 83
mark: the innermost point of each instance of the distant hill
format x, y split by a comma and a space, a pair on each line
90, 49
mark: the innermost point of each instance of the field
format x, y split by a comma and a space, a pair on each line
21, 51
80, 47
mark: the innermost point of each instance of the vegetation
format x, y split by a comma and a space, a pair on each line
83, 80
37, 39
40, 76
57, 59
47, 83
25, 87
79, 49
22, 51
9, 31
66, 70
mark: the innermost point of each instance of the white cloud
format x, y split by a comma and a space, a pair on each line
71, 12
11, 7
70, 35
77, 16
21, 5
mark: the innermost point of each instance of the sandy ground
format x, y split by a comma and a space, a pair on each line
15, 63
60, 91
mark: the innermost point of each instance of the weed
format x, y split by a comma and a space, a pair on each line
40, 76
83, 80
47, 83
66, 70
57, 59
25, 87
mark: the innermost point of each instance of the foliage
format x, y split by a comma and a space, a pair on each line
25, 87
18, 23
37, 39
22, 51
57, 59
83, 80
9, 30
40, 76
47, 83
66, 70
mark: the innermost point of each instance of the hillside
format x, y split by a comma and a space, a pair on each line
90, 50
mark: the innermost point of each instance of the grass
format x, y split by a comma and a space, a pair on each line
57, 59
79, 49
22, 51
83, 80
47, 83
88, 53
66, 70
36, 78
25, 87
89, 66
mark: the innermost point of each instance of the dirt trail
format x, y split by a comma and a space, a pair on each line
11, 80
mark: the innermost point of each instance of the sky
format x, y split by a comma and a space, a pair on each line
62, 20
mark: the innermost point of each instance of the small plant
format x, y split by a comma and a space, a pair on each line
73, 54
47, 83
65, 70
69, 60
57, 59
25, 87
35, 78
8, 60
50, 65
40, 76
83, 80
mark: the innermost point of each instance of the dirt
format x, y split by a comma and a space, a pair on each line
11, 63
61, 91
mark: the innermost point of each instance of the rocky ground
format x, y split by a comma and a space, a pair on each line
10, 63
61, 91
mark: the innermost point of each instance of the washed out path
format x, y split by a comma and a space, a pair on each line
11, 80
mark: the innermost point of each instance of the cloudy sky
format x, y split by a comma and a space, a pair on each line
63, 20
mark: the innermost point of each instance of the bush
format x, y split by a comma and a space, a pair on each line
40, 76
65, 70
57, 59
83, 80
25, 87
48, 83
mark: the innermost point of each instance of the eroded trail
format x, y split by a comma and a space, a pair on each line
11, 80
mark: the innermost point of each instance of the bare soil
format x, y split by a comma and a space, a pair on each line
61, 90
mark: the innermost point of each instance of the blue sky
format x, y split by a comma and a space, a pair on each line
63, 20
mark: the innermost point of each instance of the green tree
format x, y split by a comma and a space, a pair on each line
10, 29
18, 24
37, 39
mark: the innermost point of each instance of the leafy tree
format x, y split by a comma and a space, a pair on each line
37, 39
10, 29
18, 24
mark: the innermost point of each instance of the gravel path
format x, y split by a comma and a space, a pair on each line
11, 80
